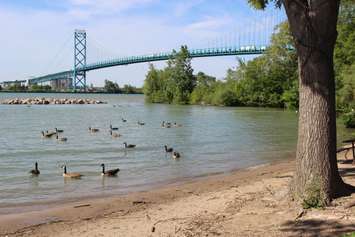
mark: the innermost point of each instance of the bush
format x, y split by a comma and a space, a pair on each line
349, 120
352, 234
313, 195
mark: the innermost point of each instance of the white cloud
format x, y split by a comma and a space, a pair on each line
84, 9
183, 7
209, 23
36, 42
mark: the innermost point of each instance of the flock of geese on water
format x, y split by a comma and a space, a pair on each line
104, 172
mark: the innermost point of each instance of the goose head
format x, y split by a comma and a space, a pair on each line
64, 167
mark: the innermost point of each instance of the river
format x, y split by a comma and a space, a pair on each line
210, 140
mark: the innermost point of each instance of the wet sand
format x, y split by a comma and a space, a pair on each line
247, 202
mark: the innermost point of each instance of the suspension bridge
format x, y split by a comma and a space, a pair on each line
75, 78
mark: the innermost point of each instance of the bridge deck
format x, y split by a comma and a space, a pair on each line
194, 53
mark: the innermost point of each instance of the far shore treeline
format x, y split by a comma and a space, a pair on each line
110, 87
270, 80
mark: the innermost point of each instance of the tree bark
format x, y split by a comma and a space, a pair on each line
313, 26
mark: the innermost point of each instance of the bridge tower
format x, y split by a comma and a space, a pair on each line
79, 77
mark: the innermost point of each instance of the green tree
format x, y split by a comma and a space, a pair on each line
203, 90
17, 87
154, 85
129, 89
268, 80
182, 80
40, 88
313, 26
111, 87
344, 56
175, 83
344, 53
347, 92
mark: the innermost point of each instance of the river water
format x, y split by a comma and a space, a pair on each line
211, 140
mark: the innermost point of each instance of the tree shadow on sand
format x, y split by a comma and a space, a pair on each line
324, 228
315, 228
348, 171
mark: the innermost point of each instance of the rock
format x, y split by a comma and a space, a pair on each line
52, 101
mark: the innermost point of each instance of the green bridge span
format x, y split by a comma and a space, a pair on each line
194, 53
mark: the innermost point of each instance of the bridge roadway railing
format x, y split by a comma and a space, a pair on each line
50, 77
194, 53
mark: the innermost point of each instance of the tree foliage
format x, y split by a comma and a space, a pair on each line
40, 88
344, 56
173, 84
111, 87
269, 80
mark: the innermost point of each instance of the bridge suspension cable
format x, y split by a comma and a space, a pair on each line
60, 57
242, 40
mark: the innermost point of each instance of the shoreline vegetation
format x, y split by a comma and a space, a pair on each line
269, 80
248, 202
109, 88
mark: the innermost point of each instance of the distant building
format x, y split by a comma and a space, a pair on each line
7, 84
61, 84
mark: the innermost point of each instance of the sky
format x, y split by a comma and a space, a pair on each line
37, 35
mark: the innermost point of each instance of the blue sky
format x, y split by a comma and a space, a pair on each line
37, 35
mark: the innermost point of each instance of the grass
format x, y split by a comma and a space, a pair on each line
352, 234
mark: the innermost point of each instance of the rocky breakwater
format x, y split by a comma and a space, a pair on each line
51, 101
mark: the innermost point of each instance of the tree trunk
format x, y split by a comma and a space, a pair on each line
313, 26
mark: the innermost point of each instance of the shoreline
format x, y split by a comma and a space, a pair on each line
40, 213
252, 201
11, 208
38, 205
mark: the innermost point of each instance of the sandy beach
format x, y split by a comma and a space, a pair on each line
248, 202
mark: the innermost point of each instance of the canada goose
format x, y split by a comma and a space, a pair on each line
70, 175
93, 129
109, 172
124, 120
129, 145
176, 155
140, 123
48, 134
114, 134
35, 171
111, 128
62, 139
168, 149
59, 130
177, 125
